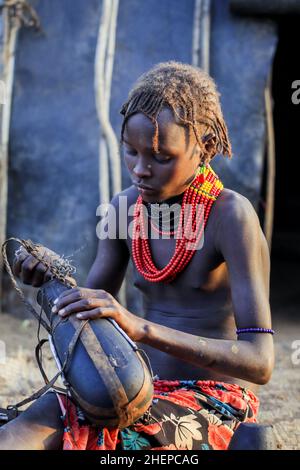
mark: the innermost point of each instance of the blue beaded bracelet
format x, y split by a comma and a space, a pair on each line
255, 330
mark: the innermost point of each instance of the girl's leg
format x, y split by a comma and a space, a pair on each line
38, 428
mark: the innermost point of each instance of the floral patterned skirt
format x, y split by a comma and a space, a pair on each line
184, 415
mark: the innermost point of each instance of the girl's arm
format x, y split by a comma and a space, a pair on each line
109, 267
240, 240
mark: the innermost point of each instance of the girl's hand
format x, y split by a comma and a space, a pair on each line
96, 303
30, 270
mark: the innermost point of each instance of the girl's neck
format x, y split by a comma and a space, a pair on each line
172, 200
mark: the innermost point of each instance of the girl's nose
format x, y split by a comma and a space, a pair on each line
142, 169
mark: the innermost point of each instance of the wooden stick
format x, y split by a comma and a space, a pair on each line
10, 40
201, 35
270, 183
108, 145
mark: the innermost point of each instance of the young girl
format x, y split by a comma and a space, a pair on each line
206, 326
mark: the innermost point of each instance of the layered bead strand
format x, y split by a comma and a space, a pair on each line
202, 193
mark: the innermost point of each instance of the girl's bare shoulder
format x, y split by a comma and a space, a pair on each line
128, 195
232, 206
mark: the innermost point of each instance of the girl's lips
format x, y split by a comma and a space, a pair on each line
144, 189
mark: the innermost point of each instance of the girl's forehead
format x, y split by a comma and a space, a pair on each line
140, 127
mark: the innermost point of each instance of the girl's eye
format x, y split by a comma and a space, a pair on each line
162, 159
131, 152
157, 157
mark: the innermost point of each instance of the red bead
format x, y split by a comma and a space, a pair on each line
201, 178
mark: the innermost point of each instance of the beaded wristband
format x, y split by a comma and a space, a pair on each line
255, 330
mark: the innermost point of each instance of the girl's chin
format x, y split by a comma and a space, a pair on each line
151, 200
150, 196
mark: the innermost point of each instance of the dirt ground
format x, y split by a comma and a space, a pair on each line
280, 404
19, 375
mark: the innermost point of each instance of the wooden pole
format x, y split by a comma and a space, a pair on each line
108, 145
201, 35
270, 183
16, 13
11, 29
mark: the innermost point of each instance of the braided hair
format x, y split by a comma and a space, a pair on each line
191, 94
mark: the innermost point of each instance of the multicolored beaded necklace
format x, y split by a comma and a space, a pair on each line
204, 190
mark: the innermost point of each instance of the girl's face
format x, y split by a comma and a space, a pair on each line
169, 172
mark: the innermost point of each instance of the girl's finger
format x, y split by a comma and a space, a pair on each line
67, 292
99, 312
81, 305
27, 269
17, 264
38, 275
67, 297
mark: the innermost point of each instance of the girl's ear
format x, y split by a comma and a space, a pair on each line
209, 142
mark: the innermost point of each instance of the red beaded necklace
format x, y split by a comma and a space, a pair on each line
204, 190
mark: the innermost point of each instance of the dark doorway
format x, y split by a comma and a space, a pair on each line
285, 255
